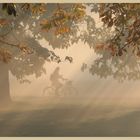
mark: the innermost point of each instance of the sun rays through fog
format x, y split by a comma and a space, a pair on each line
64, 98
92, 90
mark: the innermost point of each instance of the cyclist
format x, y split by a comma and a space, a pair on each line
56, 80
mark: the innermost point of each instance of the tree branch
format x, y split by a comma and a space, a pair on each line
10, 44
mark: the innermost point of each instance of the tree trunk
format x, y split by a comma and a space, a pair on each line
5, 98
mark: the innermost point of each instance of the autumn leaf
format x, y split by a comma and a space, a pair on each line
4, 22
61, 18
62, 30
24, 48
34, 8
99, 47
5, 55
38, 8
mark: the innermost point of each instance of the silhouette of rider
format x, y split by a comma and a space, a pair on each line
56, 80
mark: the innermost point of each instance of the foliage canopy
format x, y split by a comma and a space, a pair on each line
116, 41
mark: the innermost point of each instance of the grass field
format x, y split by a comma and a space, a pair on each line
69, 117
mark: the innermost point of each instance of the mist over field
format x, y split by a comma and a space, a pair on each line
96, 106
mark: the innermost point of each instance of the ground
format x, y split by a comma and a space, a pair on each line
69, 117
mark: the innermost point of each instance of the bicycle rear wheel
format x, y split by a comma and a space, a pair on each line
48, 92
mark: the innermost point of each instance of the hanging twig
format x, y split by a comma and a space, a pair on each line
7, 43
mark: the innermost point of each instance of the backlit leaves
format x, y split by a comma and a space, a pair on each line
61, 19
124, 19
24, 48
3, 22
5, 55
62, 30
70, 59
38, 8
108, 48
10, 8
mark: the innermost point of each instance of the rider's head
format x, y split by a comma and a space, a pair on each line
57, 69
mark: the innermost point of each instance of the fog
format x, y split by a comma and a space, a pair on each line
96, 106
66, 101
88, 86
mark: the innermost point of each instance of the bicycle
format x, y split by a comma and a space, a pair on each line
66, 90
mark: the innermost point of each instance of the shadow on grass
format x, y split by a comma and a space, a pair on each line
65, 120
